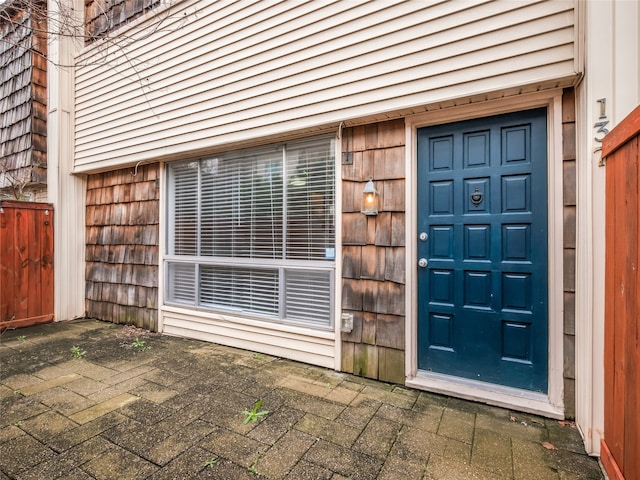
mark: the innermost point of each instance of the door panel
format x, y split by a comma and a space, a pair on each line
482, 295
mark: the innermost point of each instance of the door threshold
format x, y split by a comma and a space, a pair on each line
491, 394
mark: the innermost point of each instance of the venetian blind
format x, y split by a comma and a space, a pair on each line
258, 229
183, 209
310, 202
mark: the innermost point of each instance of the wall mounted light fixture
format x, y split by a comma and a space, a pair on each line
370, 198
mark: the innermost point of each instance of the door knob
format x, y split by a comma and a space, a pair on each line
422, 262
423, 236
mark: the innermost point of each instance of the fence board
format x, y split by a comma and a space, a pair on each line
26, 257
621, 444
46, 263
7, 259
631, 343
32, 268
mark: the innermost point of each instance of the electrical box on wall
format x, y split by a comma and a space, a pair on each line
346, 322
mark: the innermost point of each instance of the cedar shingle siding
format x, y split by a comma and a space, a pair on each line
23, 89
122, 246
103, 16
373, 276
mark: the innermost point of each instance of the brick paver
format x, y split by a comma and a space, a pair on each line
103, 408
173, 409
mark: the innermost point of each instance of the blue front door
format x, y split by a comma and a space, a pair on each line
482, 250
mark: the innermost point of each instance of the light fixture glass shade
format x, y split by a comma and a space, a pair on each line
370, 199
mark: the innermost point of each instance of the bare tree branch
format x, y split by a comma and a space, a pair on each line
101, 20
27, 29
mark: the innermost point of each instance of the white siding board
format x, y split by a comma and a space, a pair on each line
299, 54
248, 76
293, 65
394, 59
170, 51
215, 64
371, 65
198, 141
295, 344
229, 48
189, 124
369, 78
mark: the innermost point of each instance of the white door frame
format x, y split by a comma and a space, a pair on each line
550, 404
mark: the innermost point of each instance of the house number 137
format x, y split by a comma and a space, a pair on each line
600, 126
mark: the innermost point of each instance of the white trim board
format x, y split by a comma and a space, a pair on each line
552, 404
500, 396
295, 343
337, 270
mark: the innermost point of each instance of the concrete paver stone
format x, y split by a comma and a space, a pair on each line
378, 437
396, 468
334, 432
82, 433
344, 461
108, 405
174, 410
64, 401
47, 425
285, 454
493, 452
121, 464
47, 384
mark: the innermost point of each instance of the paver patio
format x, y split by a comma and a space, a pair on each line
138, 405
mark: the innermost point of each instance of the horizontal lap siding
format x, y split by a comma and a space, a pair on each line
295, 343
210, 73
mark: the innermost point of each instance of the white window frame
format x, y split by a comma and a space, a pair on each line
281, 265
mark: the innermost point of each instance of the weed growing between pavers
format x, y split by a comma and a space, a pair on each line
211, 463
140, 344
77, 352
255, 413
253, 468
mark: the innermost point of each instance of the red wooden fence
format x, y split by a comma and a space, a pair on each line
620, 452
26, 264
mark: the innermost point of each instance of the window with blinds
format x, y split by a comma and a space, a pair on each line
253, 232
